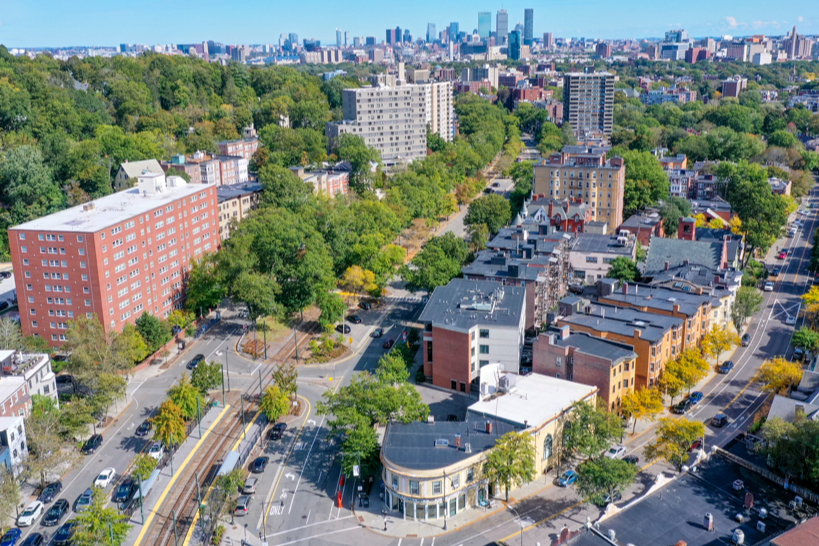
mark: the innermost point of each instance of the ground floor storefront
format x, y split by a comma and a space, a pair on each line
436, 508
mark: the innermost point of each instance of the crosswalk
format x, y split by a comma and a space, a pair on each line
406, 299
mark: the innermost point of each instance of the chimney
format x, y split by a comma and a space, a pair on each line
638, 333
565, 331
667, 265
458, 441
489, 427
625, 288
676, 307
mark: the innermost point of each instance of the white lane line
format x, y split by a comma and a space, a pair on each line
307, 458
318, 536
286, 531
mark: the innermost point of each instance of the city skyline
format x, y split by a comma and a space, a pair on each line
52, 23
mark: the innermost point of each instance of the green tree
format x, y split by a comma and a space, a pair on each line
204, 290
332, 308
99, 522
169, 424
806, 339
492, 210
9, 493
154, 331
352, 148
602, 479
359, 447
47, 448
673, 440
180, 319
142, 466
643, 404
11, 336
747, 303
131, 344
392, 368
258, 291
623, 269
275, 403
285, 377
511, 461
186, 397
643, 170
719, 340
282, 188
589, 431
671, 211
206, 377
478, 237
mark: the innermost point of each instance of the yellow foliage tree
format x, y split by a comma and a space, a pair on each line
701, 220
778, 374
811, 302
674, 439
357, 279
716, 223
643, 404
718, 341
689, 368
735, 225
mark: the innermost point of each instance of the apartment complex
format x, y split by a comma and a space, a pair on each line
588, 102
393, 118
469, 324
244, 147
235, 203
327, 181
114, 258
586, 175
203, 168
34, 368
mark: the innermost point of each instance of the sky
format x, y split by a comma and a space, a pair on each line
59, 23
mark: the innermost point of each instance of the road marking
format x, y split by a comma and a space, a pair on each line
422, 542
399, 542
276, 510
152, 513
544, 520
328, 533
286, 531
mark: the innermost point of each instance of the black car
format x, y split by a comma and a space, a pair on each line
56, 513
575, 288
50, 491
5, 275
144, 428
34, 539
65, 533
278, 431
123, 492
365, 305
683, 407
719, 420
195, 362
355, 319
343, 328
633, 459
388, 344
259, 465
92, 444
64, 379
726, 367
746, 340
4, 305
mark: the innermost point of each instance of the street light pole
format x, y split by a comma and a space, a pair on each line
261, 393
242, 402
222, 368
199, 417
141, 507
227, 367
199, 497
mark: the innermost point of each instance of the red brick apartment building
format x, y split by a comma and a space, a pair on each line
115, 257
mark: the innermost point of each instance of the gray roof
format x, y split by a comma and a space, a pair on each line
561, 207
698, 275
232, 191
491, 263
135, 168
785, 408
641, 220
463, 304
654, 297
594, 242
544, 243
595, 346
412, 445
624, 320
677, 251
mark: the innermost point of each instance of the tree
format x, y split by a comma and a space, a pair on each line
671, 384
392, 368
285, 377
642, 404
792, 447
142, 466
131, 344
153, 330
671, 211
601, 479
204, 289
275, 403
719, 340
11, 337
47, 449
186, 397
169, 424
478, 237
108, 389
180, 319
748, 302
438, 263
590, 431
623, 269
673, 440
352, 148
258, 292
643, 170
206, 377
357, 279
511, 461
9, 493
99, 522
689, 367
777, 374
282, 188
359, 447
332, 308
810, 299
806, 339
492, 210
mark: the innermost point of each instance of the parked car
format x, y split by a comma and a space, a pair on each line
782, 255
34, 539
616, 452
567, 478
496, 184
610, 499
343, 328
278, 431
64, 379
726, 366
683, 407
56, 512
798, 354
194, 362
105, 477
50, 491
4, 305
144, 428
242, 505
790, 320
259, 464
633, 459
65, 533
388, 344
768, 287
776, 271
125, 489
250, 486
93, 443
355, 319
156, 451
11, 537
746, 340
719, 420
30, 514
696, 444
5, 274
576, 288
378, 332
695, 397
365, 305
84, 501
487, 190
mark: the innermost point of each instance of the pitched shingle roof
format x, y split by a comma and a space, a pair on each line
677, 251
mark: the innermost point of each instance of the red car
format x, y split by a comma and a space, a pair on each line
782, 255
696, 445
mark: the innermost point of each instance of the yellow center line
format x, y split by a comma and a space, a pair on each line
152, 513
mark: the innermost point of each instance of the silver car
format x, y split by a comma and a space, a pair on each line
250, 486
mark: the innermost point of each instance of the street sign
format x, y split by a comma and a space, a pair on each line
404, 335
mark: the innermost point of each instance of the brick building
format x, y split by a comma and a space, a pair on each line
244, 147
570, 215
235, 204
114, 258
15, 397
644, 225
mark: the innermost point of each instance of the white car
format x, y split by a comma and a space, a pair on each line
156, 451
105, 478
768, 286
616, 452
790, 319
30, 514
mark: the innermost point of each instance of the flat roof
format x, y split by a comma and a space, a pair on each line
655, 297
624, 320
110, 210
603, 348
9, 385
536, 399
464, 303
595, 242
232, 191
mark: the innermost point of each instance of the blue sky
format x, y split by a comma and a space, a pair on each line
50, 23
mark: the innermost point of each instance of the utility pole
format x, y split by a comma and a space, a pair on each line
111, 528
261, 393
175, 536
222, 368
244, 432
227, 367
141, 508
199, 417
264, 332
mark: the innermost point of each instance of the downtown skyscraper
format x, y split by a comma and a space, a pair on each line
431, 33
528, 26
484, 24
502, 27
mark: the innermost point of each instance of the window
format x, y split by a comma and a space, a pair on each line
394, 481
548, 443
79, 238
414, 487
591, 259
558, 361
23, 249
484, 334
470, 475
456, 481
436, 488
484, 349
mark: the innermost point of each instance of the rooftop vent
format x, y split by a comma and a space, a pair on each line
88, 207
441, 442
